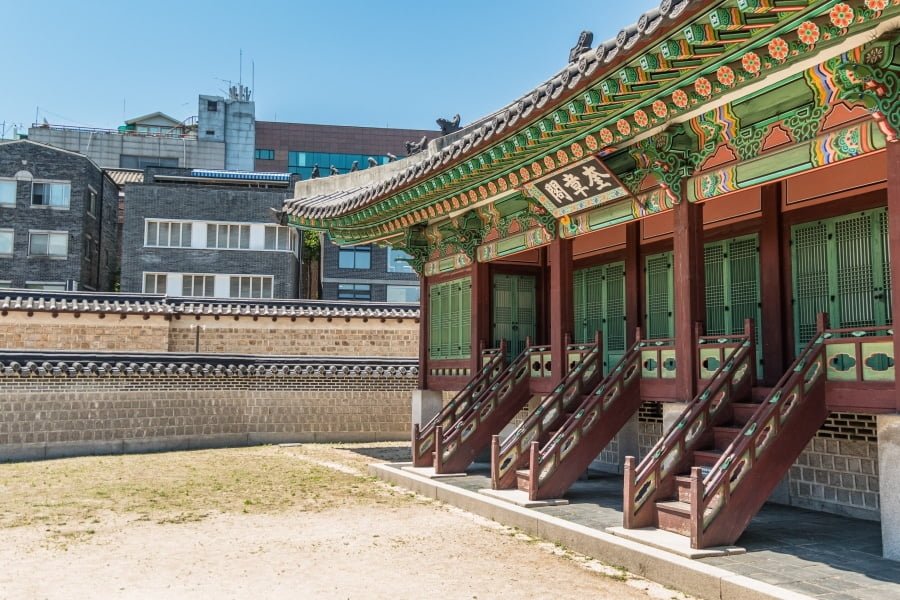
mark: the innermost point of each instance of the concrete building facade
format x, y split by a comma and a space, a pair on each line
220, 137
367, 272
208, 234
57, 220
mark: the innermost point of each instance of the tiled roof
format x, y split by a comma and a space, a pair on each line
142, 304
46, 363
488, 130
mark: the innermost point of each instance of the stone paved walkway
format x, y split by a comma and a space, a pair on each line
824, 556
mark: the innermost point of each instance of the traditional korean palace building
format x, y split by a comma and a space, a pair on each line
697, 218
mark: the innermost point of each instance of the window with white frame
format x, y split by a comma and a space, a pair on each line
168, 234
54, 195
227, 236
396, 262
251, 286
7, 236
88, 248
280, 238
48, 243
7, 192
197, 285
354, 291
402, 293
47, 286
5, 283
155, 283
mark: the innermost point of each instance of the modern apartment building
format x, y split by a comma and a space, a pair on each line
360, 273
219, 137
209, 233
57, 220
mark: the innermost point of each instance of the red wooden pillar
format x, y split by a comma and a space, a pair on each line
771, 279
424, 319
893, 208
561, 312
633, 297
481, 311
690, 307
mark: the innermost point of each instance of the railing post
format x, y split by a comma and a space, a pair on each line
495, 461
750, 332
438, 450
503, 351
822, 322
415, 442
696, 504
637, 334
628, 493
567, 339
534, 468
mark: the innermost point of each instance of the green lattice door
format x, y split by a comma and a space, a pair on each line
841, 266
599, 305
514, 310
450, 319
731, 270
659, 320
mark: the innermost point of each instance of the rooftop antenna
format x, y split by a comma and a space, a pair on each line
253, 75
241, 68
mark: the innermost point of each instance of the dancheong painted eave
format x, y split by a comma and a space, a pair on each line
677, 60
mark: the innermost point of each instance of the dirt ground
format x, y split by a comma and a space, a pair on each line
294, 522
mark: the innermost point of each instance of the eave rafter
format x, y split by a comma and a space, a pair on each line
726, 47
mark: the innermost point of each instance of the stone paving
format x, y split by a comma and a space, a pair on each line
824, 556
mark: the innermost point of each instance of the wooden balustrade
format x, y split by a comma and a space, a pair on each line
585, 369
423, 439
654, 475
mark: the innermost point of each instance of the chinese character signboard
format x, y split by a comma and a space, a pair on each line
580, 186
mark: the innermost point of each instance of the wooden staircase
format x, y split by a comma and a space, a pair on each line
547, 418
728, 451
552, 467
457, 445
493, 363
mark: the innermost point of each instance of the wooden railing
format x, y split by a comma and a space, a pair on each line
642, 484
864, 354
658, 359
480, 409
493, 360
586, 366
711, 494
658, 356
544, 461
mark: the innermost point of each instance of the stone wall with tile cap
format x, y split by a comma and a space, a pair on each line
157, 324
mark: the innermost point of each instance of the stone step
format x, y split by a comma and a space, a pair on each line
674, 516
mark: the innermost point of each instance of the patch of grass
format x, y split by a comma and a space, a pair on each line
177, 487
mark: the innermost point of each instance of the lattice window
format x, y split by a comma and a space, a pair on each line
660, 301
450, 319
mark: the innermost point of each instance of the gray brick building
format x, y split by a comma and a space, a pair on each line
367, 272
57, 220
209, 234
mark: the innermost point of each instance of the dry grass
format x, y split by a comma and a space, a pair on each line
175, 487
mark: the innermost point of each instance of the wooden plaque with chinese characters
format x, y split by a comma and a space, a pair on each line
579, 186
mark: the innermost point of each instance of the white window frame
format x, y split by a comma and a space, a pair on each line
247, 286
403, 287
31, 285
156, 282
15, 187
212, 242
5, 284
285, 238
356, 287
207, 281
12, 241
63, 184
155, 226
34, 232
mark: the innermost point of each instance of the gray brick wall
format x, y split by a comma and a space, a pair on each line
49, 163
201, 202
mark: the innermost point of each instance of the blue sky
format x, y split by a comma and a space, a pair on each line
400, 63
